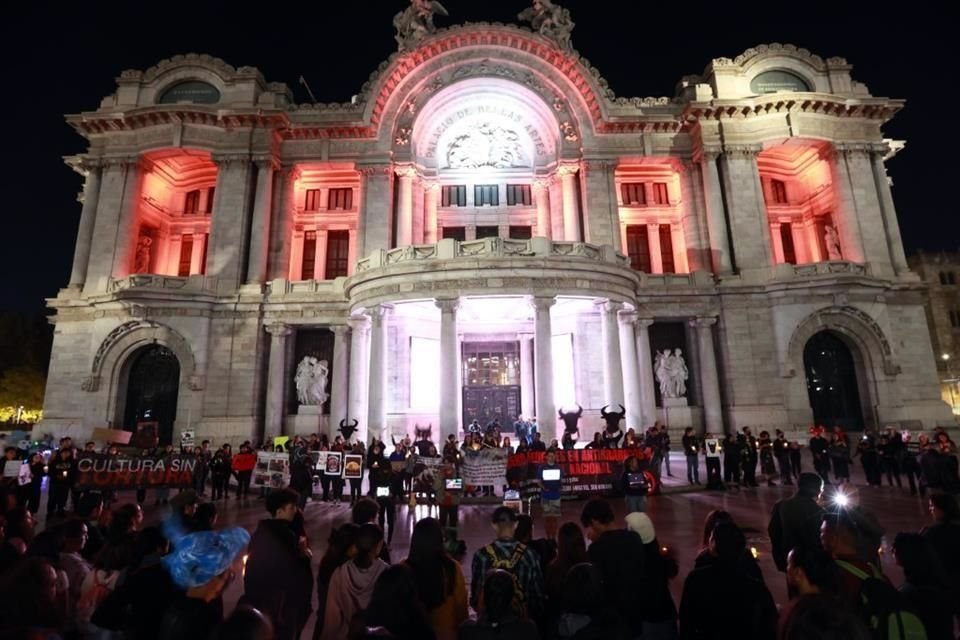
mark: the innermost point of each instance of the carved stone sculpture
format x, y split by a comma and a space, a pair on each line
672, 373
311, 381
141, 263
832, 241
551, 21
485, 145
415, 23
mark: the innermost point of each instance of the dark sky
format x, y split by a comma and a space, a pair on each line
63, 58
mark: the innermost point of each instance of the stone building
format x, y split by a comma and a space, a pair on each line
487, 230
941, 274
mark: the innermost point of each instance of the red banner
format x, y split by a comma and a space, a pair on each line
96, 471
582, 471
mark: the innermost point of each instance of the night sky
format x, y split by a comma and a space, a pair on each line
63, 58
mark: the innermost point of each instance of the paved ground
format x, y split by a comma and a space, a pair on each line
678, 517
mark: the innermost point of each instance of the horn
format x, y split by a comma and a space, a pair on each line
343, 423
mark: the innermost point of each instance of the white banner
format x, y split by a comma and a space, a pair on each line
484, 467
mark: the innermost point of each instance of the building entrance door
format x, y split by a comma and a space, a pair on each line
491, 383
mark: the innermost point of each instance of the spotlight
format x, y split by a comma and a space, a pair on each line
841, 499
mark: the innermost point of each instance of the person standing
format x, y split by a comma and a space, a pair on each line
635, 486
712, 449
550, 494
61, 479
356, 484
889, 451
839, 454
749, 456
781, 451
795, 522
663, 440
438, 578
767, 466
243, 465
867, 450
691, 449
795, 455
731, 459
819, 448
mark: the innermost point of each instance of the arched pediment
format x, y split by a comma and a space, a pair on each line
127, 338
853, 324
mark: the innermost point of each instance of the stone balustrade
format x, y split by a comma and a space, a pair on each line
833, 267
170, 284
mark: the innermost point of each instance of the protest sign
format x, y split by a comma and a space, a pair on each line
484, 467
280, 441
99, 471
272, 470
353, 466
582, 471
187, 438
332, 463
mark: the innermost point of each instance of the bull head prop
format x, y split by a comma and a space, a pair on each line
612, 418
348, 429
570, 419
423, 434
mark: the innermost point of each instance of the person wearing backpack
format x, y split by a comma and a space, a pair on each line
506, 553
863, 586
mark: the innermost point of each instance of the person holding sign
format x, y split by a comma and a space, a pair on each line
713, 449
550, 487
635, 486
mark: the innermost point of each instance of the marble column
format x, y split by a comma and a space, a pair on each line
377, 195
127, 232
612, 365
260, 227
889, 213
709, 379
431, 204
357, 390
720, 258
339, 383
543, 347
406, 175
568, 183
281, 223
229, 224
747, 210
377, 393
656, 251
527, 407
631, 373
777, 239
449, 363
88, 215
541, 191
648, 395
845, 218
276, 379
601, 214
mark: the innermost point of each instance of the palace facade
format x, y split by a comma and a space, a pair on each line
484, 231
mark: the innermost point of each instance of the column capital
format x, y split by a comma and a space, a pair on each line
266, 161
358, 323
379, 170
226, 160
644, 323
278, 329
627, 317
742, 150
405, 170
120, 161
654, 225
524, 336
599, 164
608, 306
542, 303
430, 185
565, 169
290, 172
84, 165
447, 305
703, 322
379, 311
339, 330
542, 183
708, 153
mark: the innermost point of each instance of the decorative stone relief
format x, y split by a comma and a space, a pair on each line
415, 23
90, 384
551, 21
486, 145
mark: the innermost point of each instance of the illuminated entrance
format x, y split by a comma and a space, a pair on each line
491, 382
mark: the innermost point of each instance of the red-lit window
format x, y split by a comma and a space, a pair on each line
453, 195
211, 191
338, 254
786, 239
455, 233
520, 233
666, 249
186, 255
638, 247
660, 193
778, 191
191, 202
519, 194
311, 201
632, 193
309, 261
340, 198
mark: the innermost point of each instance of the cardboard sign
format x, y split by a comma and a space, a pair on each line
116, 436
100, 471
281, 441
332, 463
353, 466
187, 438
485, 467
272, 470
11, 468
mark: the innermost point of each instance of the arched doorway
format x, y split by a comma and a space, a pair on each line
832, 382
153, 381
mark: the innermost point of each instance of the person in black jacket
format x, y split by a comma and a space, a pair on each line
691, 449
278, 580
656, 607
795, 522
819, 448
731, 459
749, 456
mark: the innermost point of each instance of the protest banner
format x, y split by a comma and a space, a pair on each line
353, 466
332, 463
582, 471
99, 471
272, 470
484, 467
187, 438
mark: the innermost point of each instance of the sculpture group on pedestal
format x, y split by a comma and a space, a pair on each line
549, 20
415, 23
311, 381
672, 373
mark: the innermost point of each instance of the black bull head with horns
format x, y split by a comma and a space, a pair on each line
612, 418
570, 419
348, 429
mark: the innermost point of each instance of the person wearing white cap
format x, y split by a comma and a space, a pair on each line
656, 607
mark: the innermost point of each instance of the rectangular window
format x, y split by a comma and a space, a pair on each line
338, 254
488, 232
786, 238
211, 191
660, 193
486, 195
519, 194
455, 233
309, 261
191, 202
778, 190
311, 200
340, 198
633, 194
638, 248
666, 249
186, 255
453, 195
520, 233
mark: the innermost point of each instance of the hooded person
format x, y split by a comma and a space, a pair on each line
656, 607
351, 585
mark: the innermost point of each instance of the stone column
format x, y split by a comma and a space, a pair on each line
339, 384
541, 198
431, 203
602, 215
691, 218
276, 379
612, 365
648, 395
449, 362
568, 182
709, 380
260, 227
377, 193
845, 216
527, 407
377, 393
88, 215
543, 347
127, 232
889, 212
229, 226
196, 253
357, 391
631, 373
406, 175
720, 257
109, 206
777, 239
656, 251
748, 213
281, 223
